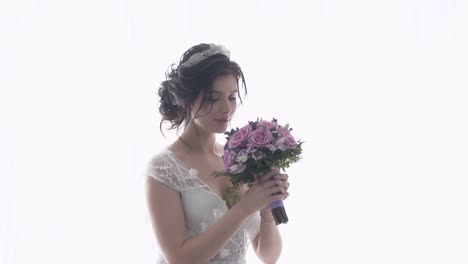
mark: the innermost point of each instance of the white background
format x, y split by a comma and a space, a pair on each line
376, 89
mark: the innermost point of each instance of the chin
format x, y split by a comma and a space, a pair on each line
217, 129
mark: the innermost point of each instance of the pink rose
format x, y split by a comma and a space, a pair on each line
283, 131
228, 158
290, 141
266, 124
238, 137
260, 137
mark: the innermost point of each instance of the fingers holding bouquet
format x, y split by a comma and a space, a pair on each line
268, 188
283, 182
262, 192
274, 179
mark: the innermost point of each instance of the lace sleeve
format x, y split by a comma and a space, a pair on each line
164, 171
253, 226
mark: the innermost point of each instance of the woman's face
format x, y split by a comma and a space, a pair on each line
224, 100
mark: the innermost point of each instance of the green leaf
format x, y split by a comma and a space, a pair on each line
232, 196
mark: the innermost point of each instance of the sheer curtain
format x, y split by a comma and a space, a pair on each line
376, 89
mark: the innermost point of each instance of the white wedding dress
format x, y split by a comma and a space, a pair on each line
202, 206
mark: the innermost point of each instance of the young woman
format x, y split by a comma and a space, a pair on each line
190, 218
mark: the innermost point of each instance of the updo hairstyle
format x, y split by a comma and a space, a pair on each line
183, 84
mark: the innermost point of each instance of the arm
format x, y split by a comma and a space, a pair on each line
168, 222
267, 244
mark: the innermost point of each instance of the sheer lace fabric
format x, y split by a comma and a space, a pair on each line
202, 206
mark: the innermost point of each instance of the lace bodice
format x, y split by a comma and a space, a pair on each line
202, 206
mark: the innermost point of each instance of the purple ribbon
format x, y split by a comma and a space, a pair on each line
276, 204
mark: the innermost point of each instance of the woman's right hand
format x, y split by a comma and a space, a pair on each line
263, 192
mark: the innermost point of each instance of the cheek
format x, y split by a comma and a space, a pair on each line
234, 106
206, 110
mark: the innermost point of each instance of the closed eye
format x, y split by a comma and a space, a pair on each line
211, 99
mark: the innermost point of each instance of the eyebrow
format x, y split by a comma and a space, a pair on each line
233, 91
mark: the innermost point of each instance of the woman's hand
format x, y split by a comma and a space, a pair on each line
271, 187
283, 182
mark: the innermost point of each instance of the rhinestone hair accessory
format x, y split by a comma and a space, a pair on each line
200, 56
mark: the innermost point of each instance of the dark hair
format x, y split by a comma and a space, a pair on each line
184, 84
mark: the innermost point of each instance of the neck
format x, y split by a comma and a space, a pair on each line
202, 143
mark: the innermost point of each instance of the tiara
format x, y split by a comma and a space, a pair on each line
200, 56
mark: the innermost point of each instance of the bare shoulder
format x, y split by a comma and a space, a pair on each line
180, 151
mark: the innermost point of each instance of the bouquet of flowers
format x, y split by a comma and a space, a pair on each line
254, 149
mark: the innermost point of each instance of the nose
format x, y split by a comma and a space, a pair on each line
226, 107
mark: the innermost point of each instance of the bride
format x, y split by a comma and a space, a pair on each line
188, 210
